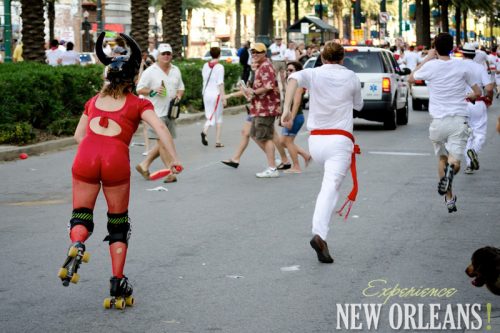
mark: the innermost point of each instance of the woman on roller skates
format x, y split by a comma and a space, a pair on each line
104, 132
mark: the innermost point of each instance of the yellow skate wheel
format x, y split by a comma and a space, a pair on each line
73, 251
120, 303
107, 303
130, 300
63, 272
86, 257
75, 278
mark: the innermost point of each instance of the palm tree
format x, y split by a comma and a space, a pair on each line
444, 4
140, 22
237, 35
33, 26
423, 23
51, 16
171, 25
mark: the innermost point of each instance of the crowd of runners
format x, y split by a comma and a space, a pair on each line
461, 92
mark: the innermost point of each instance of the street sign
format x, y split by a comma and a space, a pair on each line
383, 17
304, 28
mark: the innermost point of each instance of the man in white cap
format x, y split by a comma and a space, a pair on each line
478, 117
449, 130
161, 83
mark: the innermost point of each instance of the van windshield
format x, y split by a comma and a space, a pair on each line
364, 62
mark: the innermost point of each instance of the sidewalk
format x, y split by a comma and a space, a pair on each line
9, 153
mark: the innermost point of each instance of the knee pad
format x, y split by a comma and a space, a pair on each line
82, 216
119, 229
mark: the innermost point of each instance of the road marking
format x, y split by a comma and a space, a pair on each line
396, 153
37, 202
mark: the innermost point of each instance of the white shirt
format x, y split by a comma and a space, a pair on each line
70, 58
334, 91
290, 55
481, 57
154, 53
411, 59
53, 56
216, 79
480, 74
447, 81
275, 48
152, 78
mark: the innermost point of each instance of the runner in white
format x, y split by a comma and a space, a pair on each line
331, 123
447, 80
478, 116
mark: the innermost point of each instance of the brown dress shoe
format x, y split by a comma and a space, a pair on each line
321, 249
170, 179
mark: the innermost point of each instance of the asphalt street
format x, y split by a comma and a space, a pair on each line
223, 251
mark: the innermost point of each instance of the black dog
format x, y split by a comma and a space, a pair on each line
485, 269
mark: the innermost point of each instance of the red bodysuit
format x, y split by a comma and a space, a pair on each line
103, 158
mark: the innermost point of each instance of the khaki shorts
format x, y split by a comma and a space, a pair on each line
170, 125
262, 128
449, 136
279, 65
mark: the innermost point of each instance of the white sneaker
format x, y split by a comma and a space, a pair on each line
268, 173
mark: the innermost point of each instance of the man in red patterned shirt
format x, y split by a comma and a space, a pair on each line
265, 107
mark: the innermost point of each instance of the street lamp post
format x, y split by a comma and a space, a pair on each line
7, 31
86, 28
100, 25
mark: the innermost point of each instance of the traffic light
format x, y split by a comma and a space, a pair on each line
357, 14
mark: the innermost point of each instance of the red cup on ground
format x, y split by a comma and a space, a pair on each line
23, 156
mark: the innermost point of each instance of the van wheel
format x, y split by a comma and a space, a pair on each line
390, 118
402, 114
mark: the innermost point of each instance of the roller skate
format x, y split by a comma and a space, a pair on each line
120, 291
76, 255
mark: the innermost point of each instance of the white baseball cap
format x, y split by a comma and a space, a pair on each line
164, 48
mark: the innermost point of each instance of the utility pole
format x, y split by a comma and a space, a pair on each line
7, 31
100, 23
382, 32
400, 18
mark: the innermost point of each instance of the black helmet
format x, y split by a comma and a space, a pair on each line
122, 67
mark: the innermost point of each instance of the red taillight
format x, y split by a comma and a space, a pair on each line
386, 85
419, 82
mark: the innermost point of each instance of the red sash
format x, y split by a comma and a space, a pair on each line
354, 192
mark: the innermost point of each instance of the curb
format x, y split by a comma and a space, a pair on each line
9, 153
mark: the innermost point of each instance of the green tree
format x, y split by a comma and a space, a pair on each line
33, 30
140, 22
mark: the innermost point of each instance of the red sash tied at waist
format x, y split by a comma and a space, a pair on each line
354, 192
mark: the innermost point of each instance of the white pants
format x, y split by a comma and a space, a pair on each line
213, 108
334, 152
478, 122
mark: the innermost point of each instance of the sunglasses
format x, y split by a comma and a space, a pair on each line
166, 53
290, 70
255, 52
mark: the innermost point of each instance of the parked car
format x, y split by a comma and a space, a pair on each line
87, 58
384, 87
226, 54
310, 62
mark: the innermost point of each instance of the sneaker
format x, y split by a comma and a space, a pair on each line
451, 204
474, 161
444, 184
268, 173
469, 171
